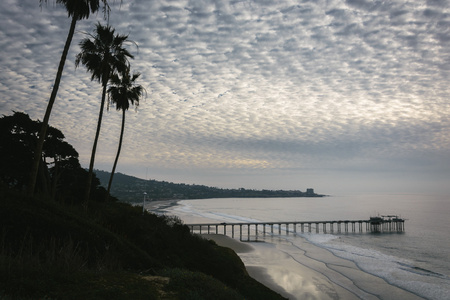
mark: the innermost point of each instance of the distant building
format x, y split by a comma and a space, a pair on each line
310, 192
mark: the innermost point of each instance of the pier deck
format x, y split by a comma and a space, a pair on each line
390, 223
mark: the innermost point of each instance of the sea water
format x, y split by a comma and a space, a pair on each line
416, 260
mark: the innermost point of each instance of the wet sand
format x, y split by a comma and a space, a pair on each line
264, 264
312, 273
300, 271
159, 206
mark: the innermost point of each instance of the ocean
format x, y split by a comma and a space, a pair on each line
416, 260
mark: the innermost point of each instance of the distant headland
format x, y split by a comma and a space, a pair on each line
130, 189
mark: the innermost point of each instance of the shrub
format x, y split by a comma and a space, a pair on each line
198, 286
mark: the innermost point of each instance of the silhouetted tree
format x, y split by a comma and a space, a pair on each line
103, 56
63, 155
18, 134
123, 92
18, 140
78, 10
60, 174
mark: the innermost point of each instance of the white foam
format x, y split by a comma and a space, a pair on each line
320, 238
395, 270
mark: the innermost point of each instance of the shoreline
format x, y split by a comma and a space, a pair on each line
258, 273
314, 274
297, 269
158, 206
309, 284
256, 258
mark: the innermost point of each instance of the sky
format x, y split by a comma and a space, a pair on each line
341, 96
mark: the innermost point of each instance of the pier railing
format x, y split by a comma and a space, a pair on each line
374, 224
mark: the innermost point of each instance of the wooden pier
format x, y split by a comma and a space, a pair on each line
390, 223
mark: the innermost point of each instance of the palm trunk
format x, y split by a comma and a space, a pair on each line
51, 101
117, 155
43, 178
94, 148
54, 180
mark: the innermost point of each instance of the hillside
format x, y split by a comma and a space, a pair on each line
59, 245
49, 250
131, 189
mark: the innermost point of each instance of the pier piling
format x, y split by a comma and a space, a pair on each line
389, 223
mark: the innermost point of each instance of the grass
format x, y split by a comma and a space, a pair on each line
196, 285
52, 251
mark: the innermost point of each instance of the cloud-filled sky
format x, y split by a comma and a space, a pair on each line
341, 96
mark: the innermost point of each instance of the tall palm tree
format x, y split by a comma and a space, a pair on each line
78, 10
123, 91
103, 56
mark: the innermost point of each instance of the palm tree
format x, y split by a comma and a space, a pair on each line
123, 92
103, 56
78, 10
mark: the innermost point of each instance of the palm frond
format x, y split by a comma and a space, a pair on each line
103, 53
81, 9
124, 91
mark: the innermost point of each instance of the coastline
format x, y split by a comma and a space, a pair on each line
309, 284
158, 206
262, 271
312, 274
297, 270
258, 273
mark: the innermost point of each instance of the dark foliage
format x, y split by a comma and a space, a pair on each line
18, 136
60, 250
48, 249
195, 286
60, 174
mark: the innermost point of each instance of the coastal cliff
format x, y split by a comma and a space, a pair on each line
112, 251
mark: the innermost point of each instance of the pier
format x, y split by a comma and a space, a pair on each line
379, 224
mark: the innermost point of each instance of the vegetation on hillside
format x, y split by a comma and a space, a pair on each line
50, 250
130, 189
52, 247
61, 176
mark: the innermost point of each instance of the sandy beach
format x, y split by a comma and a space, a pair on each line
265, 266
303, 277
309, 272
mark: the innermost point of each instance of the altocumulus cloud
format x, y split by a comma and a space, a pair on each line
264, 94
